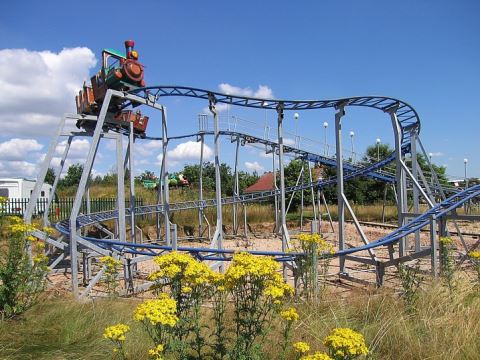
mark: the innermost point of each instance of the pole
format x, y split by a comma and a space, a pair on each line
218, 236
166, 188
341, 204
284, 231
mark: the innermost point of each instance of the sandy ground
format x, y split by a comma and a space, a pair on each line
260, 237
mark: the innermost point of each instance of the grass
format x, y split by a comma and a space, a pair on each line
445, 326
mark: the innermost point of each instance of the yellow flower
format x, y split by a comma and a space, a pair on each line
157, 311
183, 267
156, 353
110, 263
474, 255
31, 238
49, 230
316, 356
445, 241
290, 314
41, 258
116, 332
301, 347
345, 342
3, 199
186, 289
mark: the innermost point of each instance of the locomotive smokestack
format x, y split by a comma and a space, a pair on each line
129, 44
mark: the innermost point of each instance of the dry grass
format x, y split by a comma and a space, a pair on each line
445, 326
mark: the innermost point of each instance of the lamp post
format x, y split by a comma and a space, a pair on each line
378, 149
467, 204
325, 126
352, 134
296, 116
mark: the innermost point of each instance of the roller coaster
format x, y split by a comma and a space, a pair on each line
73, 243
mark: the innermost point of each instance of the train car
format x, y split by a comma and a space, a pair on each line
121, 72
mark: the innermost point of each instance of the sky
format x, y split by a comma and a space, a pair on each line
425, 53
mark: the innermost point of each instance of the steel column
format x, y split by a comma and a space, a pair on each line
200, 188
27, 217
57, 179
217, 240
166, 191
87, 168
340, 195
284, 230
122, 228
400, 176
235, 188
131, 144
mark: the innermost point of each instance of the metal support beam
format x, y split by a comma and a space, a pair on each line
236, 188
87, 168
131, 166
217, 240
27, 217
164, 178
58, 174
399, 176
416, 195
434, 245
122, 228
283, 214
200, 188
340, 198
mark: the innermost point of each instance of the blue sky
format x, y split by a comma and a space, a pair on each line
423, 52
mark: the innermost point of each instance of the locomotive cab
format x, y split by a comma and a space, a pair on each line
119, 71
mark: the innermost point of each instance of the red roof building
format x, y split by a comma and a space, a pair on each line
264, 183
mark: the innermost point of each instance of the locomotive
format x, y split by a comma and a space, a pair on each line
121, 72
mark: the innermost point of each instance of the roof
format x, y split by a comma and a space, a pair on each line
264, 183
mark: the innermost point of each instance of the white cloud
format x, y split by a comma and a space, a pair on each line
76, 154
438, 153
37, 87
253, 166
263, 91
18, 149
188, 151
19, 157
147, 148
20, 169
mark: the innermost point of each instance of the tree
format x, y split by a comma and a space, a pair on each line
74, 173
50, 176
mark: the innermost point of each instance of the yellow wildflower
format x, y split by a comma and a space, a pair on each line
49, 230
116, 332
184, 267
156, 352
301, 347
3, 199
474, 255
41, 258
110, 263
316, 356
345, 342
290, 314
31, 238
445, 241
157, 311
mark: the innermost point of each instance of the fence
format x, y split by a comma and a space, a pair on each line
61, 208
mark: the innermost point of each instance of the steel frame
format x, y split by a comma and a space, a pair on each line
406, 127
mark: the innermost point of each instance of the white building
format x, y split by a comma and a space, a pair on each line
18, 192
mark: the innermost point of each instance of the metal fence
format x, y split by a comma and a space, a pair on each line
61, 208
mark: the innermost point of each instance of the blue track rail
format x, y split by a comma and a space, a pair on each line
406, 115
